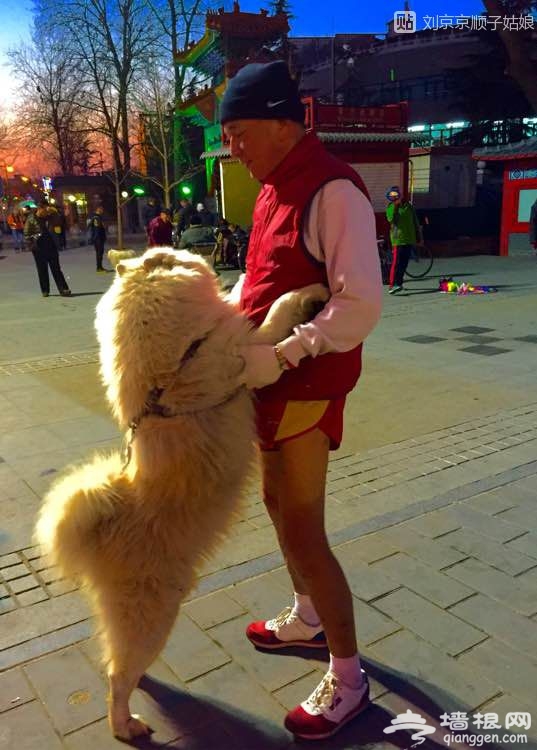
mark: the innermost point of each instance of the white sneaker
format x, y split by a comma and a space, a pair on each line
287, 629
331, 705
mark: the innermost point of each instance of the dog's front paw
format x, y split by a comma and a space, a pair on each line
289, 310
131, 729
312, 299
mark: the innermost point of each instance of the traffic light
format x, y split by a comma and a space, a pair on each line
185, 189
138, 190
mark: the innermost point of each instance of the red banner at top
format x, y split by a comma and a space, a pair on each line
334, 117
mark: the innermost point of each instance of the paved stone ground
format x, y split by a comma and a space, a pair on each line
431, 510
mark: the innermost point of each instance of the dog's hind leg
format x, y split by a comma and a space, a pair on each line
134, 632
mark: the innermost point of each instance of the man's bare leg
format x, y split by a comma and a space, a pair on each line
300, 484
272, 468
298, 479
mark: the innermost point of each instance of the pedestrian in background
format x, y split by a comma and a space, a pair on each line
207, 218
15, 222
40, 234
160, 229
405, 234
97, 232
62, 236
533, 226
183, 215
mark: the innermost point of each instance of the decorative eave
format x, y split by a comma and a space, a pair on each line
218, 153
371, 137
223, 152
203, 103
253, 25
526, 149
191, 54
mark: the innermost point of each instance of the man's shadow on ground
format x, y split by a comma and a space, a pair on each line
454, 275
207, 724
203, 724
80, 294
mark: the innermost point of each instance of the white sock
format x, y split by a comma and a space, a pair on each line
348, 670
305, 610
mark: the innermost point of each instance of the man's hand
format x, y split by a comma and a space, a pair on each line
261, 365
234, 295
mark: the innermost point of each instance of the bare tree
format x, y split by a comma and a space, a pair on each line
49, 117
153, 98
520, 44
4, 131
178, 23
110, 41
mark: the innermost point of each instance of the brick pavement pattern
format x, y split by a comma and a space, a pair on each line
436, 528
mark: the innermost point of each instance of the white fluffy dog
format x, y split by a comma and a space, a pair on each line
136, 536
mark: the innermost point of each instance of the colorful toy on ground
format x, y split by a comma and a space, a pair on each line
448, 286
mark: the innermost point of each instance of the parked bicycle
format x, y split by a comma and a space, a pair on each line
419, 265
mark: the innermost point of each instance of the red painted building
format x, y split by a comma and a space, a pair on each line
519, 190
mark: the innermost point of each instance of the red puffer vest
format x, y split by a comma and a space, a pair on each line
278, 261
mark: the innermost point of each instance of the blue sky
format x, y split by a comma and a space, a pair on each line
313, 18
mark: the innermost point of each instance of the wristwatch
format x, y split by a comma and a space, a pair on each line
282, 359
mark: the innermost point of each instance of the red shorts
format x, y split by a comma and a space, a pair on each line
278, 421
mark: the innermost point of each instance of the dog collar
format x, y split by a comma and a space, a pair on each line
152, 406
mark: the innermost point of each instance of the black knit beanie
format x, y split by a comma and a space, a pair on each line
262, 91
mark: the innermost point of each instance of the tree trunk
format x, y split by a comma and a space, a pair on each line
117, 187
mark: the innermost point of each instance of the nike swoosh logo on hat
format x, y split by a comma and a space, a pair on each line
275, 104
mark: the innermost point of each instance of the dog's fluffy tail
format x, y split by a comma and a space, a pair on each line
73, 511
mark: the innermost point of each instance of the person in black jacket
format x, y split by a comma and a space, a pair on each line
184, 215
98, 236
40, 236
207, 218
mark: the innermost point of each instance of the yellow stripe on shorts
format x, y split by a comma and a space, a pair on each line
300, 416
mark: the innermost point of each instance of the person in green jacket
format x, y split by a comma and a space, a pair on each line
405, 234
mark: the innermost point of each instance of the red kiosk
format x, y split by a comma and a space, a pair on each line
519, 190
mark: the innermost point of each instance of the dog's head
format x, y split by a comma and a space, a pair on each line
157, 311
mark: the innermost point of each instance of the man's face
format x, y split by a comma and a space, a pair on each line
165, 216
259, 144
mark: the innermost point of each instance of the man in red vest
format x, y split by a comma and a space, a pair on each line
312, 223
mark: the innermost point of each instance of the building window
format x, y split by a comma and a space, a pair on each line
526, 199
